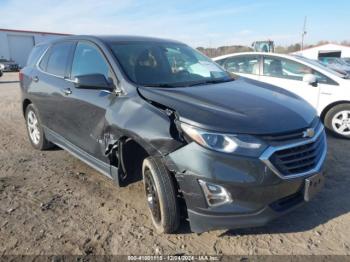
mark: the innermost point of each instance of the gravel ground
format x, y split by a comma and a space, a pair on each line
52, 203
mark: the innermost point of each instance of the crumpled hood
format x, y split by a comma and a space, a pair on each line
240, 106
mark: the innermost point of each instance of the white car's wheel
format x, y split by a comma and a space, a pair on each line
337, 120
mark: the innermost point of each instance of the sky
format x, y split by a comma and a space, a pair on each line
208, 23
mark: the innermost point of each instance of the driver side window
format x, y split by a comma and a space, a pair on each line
284, 68
89, 60
288, 69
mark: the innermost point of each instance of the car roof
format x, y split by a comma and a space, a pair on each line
117, 38
255, 53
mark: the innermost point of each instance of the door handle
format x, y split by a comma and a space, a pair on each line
35, 79
67, 91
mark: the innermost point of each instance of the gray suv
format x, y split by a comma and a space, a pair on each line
217, 151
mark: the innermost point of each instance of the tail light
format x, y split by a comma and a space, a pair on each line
20, 76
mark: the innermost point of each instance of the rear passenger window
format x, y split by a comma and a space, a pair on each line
89, 60
58, 59
243, 64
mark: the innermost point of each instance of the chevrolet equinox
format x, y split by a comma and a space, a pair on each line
219, 151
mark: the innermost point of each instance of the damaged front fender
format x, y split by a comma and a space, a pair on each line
150, 125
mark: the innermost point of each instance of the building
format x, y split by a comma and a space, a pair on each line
327, 50
16, 44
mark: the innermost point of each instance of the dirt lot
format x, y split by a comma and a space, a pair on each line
52, 203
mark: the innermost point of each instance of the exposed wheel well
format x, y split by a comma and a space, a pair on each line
324, 112
130, 161
26, 103
131, 158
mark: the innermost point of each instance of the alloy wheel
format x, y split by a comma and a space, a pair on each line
33, 127
341, 122
152, 196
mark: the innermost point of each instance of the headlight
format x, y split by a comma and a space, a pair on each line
229, 143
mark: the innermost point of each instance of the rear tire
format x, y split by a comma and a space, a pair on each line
35, 130
161, 195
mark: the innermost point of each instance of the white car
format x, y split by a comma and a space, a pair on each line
325, 89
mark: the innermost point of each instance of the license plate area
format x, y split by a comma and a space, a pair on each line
312, 186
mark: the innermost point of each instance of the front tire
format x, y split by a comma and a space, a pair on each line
337, 120
35, 130
161, 195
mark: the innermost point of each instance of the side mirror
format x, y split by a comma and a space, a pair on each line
310, 79
92, 81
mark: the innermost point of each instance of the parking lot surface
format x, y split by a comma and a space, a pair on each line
52, 203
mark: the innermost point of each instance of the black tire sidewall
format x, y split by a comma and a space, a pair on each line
330, 115
166, 194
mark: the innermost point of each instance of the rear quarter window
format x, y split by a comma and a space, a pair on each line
35, 54
56, 59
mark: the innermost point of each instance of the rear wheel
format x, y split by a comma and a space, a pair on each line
34, 129
337, 120
161, 195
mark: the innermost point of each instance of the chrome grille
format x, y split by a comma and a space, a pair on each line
297, 159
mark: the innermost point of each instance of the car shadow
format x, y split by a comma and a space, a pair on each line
331, 202
54, 148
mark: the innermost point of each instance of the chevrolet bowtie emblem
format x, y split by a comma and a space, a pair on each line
310, 132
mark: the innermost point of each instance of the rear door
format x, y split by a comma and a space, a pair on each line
85, 109
288, 74
244, 65
49, 86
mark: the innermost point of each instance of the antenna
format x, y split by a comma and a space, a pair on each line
303, 34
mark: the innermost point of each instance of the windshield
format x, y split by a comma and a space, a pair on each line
320, 65
167, 64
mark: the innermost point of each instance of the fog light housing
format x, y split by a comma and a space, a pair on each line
215, 195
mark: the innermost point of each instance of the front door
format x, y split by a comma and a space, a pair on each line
86, 110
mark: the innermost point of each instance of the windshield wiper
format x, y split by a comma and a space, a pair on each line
196, 83
159, 85
212, 81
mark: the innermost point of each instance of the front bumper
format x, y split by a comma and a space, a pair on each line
203, 222
259, 195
